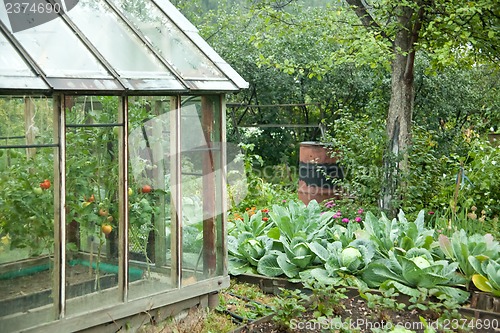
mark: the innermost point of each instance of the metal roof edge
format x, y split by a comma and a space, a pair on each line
175, 15
192, 33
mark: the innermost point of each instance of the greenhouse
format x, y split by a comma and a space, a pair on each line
112, 164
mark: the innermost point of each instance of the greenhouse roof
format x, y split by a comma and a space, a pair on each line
99, 46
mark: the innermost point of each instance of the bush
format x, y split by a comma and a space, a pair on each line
360, 145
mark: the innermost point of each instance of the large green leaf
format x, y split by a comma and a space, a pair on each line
419, 221
232, 247
412, 273
274, 233
366, 247
492, 270
238, 266
402, 288
302, 261
378, 272
320, 251
458, 295
288, 268
475, 262
283, 221
268, 266
322, 276
407, 242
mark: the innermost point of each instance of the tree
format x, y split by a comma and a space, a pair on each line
415, 21
449, 32
285, 69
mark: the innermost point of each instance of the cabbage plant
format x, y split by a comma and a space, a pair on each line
248, 243
296, 227
399, 233
415, 271
342, 264
460, 247
299, 220
488, 277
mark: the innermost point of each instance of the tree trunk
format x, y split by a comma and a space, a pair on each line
399, 117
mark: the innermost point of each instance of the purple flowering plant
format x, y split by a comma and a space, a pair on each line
345, 211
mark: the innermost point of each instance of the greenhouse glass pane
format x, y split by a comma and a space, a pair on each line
11, 63
15, 73
201, 200
92, 202
168, 40
151, 230
124, 51
58, 52
26, 214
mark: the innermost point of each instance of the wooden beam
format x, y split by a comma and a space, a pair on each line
222, 227
209, 188
175, 192
157, 147
59, 183
123, 217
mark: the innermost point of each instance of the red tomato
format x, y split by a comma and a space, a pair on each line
146, 189
45, 184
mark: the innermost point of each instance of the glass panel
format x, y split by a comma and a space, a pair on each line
168, 40
201, 204
57, 50
150, 207
11, 63
91, 202
26, 214
26, 121
124, 51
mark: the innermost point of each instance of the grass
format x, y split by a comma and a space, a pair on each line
196, 321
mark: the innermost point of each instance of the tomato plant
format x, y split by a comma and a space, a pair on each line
26, 205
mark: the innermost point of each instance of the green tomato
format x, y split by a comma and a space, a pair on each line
37, 190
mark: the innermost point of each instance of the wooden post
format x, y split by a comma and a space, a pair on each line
73, 228
59, 291
209, 255
29, 126
222, 179
175, 190
123, 217
159, 181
